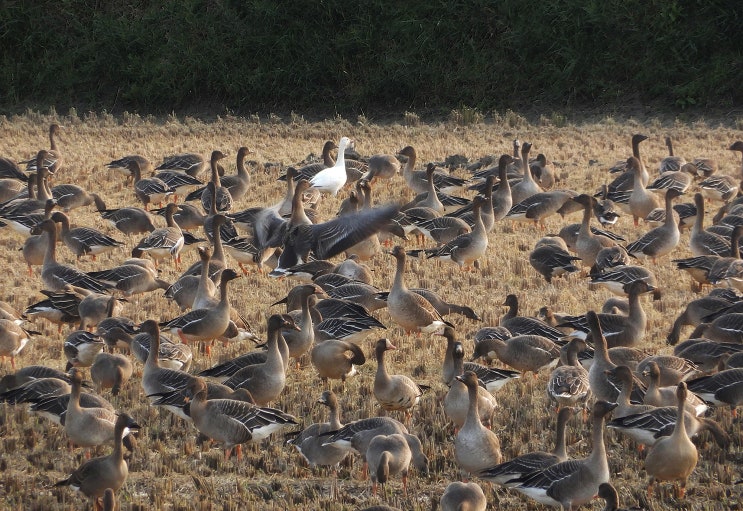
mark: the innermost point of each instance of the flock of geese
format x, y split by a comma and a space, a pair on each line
591, 361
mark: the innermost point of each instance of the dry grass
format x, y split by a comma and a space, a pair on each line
168, 472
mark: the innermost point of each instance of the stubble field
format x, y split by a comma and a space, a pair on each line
168, 472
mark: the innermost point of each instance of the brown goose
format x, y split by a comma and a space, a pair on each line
568, 383
266, 380
410, 310
661, 240
526, 352
309, 441
572, 483
53, 159
475, 447
56, 276
163, 242
460, 496
641, 201
705, 242
94, 476
657, 395
527, 186
13, 339
387, 456
110, 371
588, 244
231, 422
533, 461
673, 458
396, 391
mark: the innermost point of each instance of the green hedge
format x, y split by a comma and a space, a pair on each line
331, 55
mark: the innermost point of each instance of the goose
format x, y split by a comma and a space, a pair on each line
148, 190
192, 164
647, 427
10, 170
417, 179
525, 352
621, 166
81, 347
358, 434
369, 247
180, 182
706, 354
165, 241
336, 359
330, 238
524, 325
34, 247
719, 188
539, 206
466, 249
84, 240
55, 276
69, 197
309, 442
223, 197
187, 216
121, 165
571, 483
442, 229
29, 373
543, 172
623, 377
502, 198
665, 395
53, 159
520, 466
475, 447
203, 325
618, 329
551, 258
232, 422
396, 391
97, 475
694, 314
90, 427
13, 339
110, 371
445, 308
661, 240
387, 456
602, 387
527, 186
673, 457
608, 258
410, 310
128, 220
456, 401
131, 279
354, 269
382, 166
332, 179
300, 340
58, 307
641, 201
678, 180
672, 369
568, 384
725, 328
32, 389
460, 496
169, 355
266, 380
11, 188
704, 242
95, 307
671, 163
723, 388
617, 280
587, 244
490, 378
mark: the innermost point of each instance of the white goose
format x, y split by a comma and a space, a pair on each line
332, 179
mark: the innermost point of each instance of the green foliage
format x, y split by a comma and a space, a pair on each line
237, 55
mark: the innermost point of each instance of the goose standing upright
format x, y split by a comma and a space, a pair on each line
410, 310
527, 186
661, 240
572, 483
674, 457
397, 391
164, 242
56, 276
95, 476
502, 197
224, 199
475, 447
332, 179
